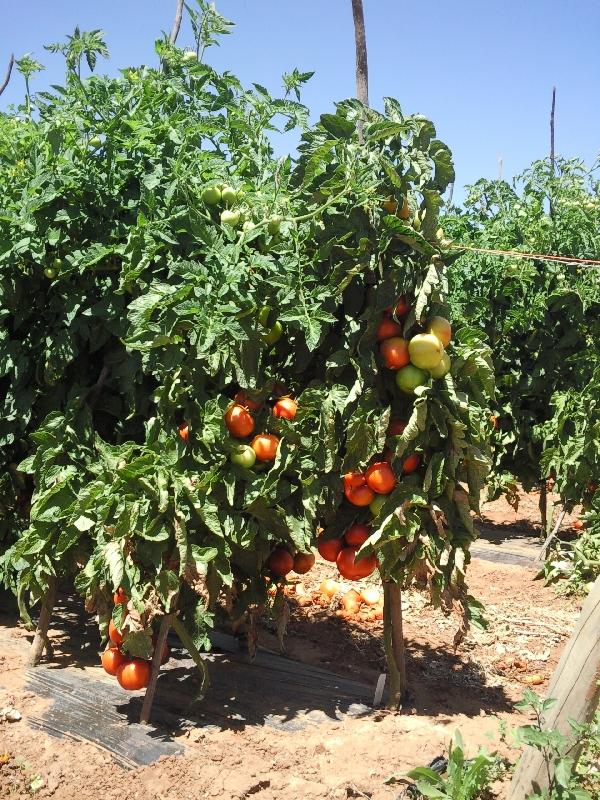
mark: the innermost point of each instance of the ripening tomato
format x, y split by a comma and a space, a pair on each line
404, 212
265, 445
354, 570
244, 456
119, 597
329, 548
494, 421
285, 408
280, 562
184, 431
114, 635
228, 195
134, 674
394, 352
578, 525
357, 534
211, 195
411, 463
112, 658
354, 479
396, 427
388, 328
243, 399
359, 495
381, 478
239, 421
303, 562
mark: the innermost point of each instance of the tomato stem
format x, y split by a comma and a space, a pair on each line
41, 641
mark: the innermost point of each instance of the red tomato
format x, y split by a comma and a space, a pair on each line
400, 309
411, 463
394, 352
354, 570
134, 675
354, 479
242, 399
285, 408
280, 562
388, 328
112, 658
578, 525
239, 421
119, 597
357, 534
184, 431
329, 548
359, 495
396, 427
115, 636
265, 446
381, 478
303, 562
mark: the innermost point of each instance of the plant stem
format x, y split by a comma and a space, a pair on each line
161, 641
394, 643
41, 640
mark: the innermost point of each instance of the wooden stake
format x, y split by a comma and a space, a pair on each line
362, 67
542, 554
161, 641
552, 156
176, 22
393, 639
575, 685
41, 641
6, 80
544, 508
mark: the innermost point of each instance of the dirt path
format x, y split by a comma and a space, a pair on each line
473, 689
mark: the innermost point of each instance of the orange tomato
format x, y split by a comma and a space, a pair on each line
329, 548
404, 212
183, 431
411, 463
303, 562
285, 408
357, 534
578, 525
394, 352
114, 635
134, 675
119, 597
329, 587
242, 399
381, 478
359, 495
494, 421
265, 446
388, 328
280, 562
354, 479
112, 658
396, 427
239, 421
390, 205
400, 309
354, 570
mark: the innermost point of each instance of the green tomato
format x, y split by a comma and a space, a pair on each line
95, 141
231, 218
50, 273
229, 195
244, 456
189, 55
274, 335
443, 368
211, 195
57, 263
409, 377
274, 225
376, 505
248, 226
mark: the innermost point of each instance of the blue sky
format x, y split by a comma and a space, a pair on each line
482, 70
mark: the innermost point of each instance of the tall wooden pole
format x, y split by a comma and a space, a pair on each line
575, 685
362, 67
552, 156
4, 84
176, 22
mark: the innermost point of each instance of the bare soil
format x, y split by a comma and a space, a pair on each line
472, 689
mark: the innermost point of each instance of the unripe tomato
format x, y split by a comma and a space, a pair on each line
409, 378
239, 421
329, 548
425, 350
243, 399
440, 327
280, 562
134, 675
394, 352
381, 478
50, 273
396, 427
388, 328
285, 408
95, 141
411, 463
357, 534
443, 368
303, 562
354, 479
211, 195
376, 505
265, 445
354, 570
119, 597
112, 658
57, 263
231, 218
229, 195
359, 495
274, 225
183, 431
248, 226
189, 55
243, 456
114, 635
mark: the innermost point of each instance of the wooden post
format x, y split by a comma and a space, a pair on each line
360, 38
575, 685
551, 537
393, 639
41, 641
6, 80
544, 508
552, 156
161, 641
176, 22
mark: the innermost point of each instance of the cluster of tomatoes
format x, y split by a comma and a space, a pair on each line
343, 551
281, 562
132, 673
